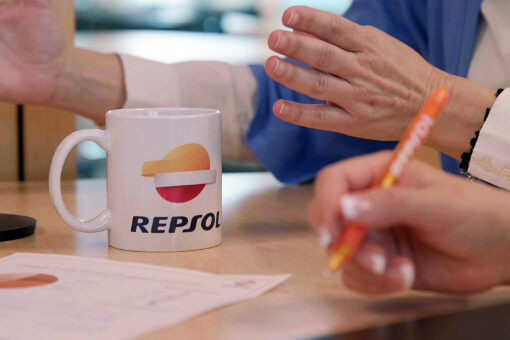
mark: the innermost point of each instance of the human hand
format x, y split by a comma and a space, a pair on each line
433, 231
32, 51
373, 83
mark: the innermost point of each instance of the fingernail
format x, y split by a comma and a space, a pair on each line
294, 19
278, 70
276, 64
375, 261
408, 275
282, 42
282, 109
354, 206
324, 238
403, 272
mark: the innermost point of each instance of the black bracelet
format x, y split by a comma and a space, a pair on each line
466, 156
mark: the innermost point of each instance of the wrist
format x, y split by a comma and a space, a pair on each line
463, 115
90, 84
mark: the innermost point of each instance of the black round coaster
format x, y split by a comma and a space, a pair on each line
14, 226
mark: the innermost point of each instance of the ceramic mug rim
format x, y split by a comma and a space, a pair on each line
162, 113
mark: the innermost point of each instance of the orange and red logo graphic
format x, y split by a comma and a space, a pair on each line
182, 174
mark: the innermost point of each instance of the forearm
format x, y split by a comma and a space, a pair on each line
462, 117
91, 84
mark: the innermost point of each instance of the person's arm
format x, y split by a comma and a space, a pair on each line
231, 89
90, 84
295, 154
432, 231
38, 67
374, 84
93, 83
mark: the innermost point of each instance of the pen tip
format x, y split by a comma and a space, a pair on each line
339, 257
327, 273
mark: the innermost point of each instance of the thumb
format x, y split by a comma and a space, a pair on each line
386, 207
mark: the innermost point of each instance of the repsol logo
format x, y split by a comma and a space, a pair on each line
160, 225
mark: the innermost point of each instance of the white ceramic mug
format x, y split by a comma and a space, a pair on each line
163, 179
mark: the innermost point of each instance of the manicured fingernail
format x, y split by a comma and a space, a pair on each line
408, 275
375, 261
282, 42
294, 19
403, 272
324, 238
354, 206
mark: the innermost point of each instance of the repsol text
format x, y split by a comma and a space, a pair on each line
165, 224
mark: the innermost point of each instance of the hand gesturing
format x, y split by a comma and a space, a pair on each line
32, 51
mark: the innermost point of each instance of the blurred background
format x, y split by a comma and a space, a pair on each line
169, 31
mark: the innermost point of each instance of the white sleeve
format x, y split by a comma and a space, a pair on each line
215, 85
490, 160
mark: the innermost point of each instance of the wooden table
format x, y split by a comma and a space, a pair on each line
264, 232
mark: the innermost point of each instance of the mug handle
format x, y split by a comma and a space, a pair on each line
100, 222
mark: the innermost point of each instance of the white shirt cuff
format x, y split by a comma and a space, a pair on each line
490, 160
203, 84
149, 83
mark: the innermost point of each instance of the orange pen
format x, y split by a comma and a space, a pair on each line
354, 234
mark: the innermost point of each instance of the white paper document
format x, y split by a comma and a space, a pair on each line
67, 297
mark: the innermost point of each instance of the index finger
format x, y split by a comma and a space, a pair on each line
356, 174
325, 26
338, 179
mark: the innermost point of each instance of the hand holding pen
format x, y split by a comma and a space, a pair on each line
432, 231
354, 234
